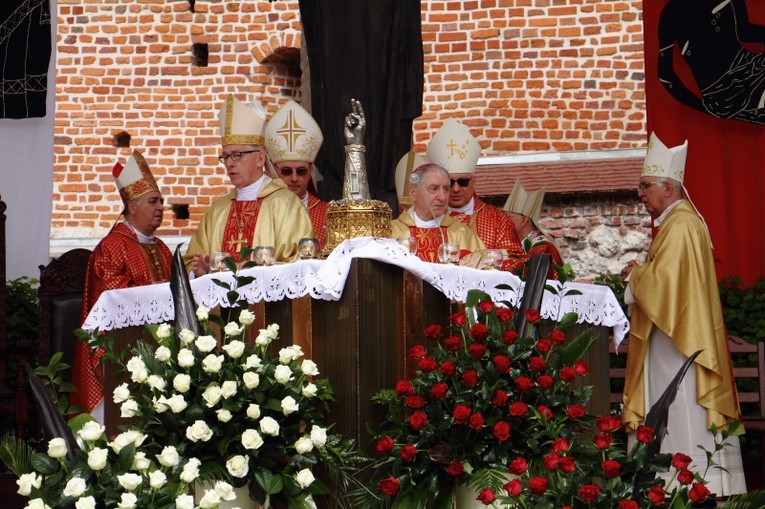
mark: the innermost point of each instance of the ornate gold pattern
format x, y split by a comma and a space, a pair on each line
356, 218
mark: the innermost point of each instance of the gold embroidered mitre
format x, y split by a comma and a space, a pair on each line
292, 135
406, 165
525, 203
134, 179
454, 148
240, 124
663, 162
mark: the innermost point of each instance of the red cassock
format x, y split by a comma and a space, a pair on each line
118, 261
317, 210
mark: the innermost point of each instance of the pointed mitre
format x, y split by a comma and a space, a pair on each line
525, 203
663, 162
404, 169
292, 135
240, 124
454, 148
134, 179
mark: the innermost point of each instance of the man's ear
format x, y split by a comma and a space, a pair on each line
525, 220
130, 207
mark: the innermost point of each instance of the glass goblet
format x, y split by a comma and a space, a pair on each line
449, 253
308, 248
409, 244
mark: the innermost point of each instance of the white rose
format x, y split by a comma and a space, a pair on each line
199, 431
304, 478
182, 383
269, 426
310, 390
308, 367
238, 466
37, 503
137, 369
164, 331
129, 409
303, 445
176, 403
250, 379
163, 354
253, 411
251, 439
121, 393
28, 481
169, 456
156, 382
223, 415
253, 362
286, 355
282, 374
210, 500
318, 436
190, 470
57, 448
184, 502
273, 331
75, 487
91, 431
127, 501
212, 363
228, 389
225, 491
129, 481
232, 329
140, 462
85, 503
157, 479
187, 336
246, 317
203, 313
97, 458
160, 405
263, 338
212, 395
130, 436
297, 352
234, 349
206, 343
289, 405
185, 358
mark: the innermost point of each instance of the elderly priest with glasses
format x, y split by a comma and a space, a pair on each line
260, 211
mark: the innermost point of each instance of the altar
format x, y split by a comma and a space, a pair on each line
357, 314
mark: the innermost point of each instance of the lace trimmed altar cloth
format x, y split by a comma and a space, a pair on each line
325, 279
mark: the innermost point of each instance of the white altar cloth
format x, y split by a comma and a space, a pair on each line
325, 279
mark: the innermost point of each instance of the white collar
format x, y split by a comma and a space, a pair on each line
466, 209
663, 215
421, 223
143, 239
251, 192
305, 198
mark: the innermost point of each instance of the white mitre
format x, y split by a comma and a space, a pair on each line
663, 162
240, 124
292, 135
525, 203
406, 165
454, 148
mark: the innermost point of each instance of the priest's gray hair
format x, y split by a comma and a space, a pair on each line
418, 175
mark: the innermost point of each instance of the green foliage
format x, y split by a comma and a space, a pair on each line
617, 285
743, 308
23, 309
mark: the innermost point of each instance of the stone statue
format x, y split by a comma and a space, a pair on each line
355, 185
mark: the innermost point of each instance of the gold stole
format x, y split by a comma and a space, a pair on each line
428, 240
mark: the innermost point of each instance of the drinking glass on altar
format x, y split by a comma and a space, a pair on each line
264, 255
449, 253
491, 259
409, 244
218, 262
308, 248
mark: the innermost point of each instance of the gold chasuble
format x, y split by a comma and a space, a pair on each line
428, 239
676, 291
280, 220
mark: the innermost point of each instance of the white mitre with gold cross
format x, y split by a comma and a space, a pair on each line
454, 148
293, 135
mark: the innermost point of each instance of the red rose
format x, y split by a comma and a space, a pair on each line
408, 452
485, 306
575, 411
513, 488
680, 460
588, 492
685, 476
501, 431
545, 382
518, 409
427, 364
581, 367
544, 345
414, 401
470, 378
404, 388
486, 496
538, 485
475, 421
628, 504
452, 343
458, 319
448, 368
557, 336
439, 391
656, 495
611, 468
698, 492
432, 331
537, 364
477, 350
566, 464
608, 423
417, 352
532, 315
560, 445
518, 466
509, 337
501, 363
567, 374
479, 332
645, 434
504, 315
543, 410
455, 469
499, 398
385, 445
603, 440
390, 486
418, 420
461, 413
523, 384
550, 461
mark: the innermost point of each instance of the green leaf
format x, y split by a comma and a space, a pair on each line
44, 463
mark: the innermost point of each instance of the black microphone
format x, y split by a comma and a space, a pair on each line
415, 180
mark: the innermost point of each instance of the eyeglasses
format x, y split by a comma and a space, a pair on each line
286, 172
235, 156
463, 182
642, 186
